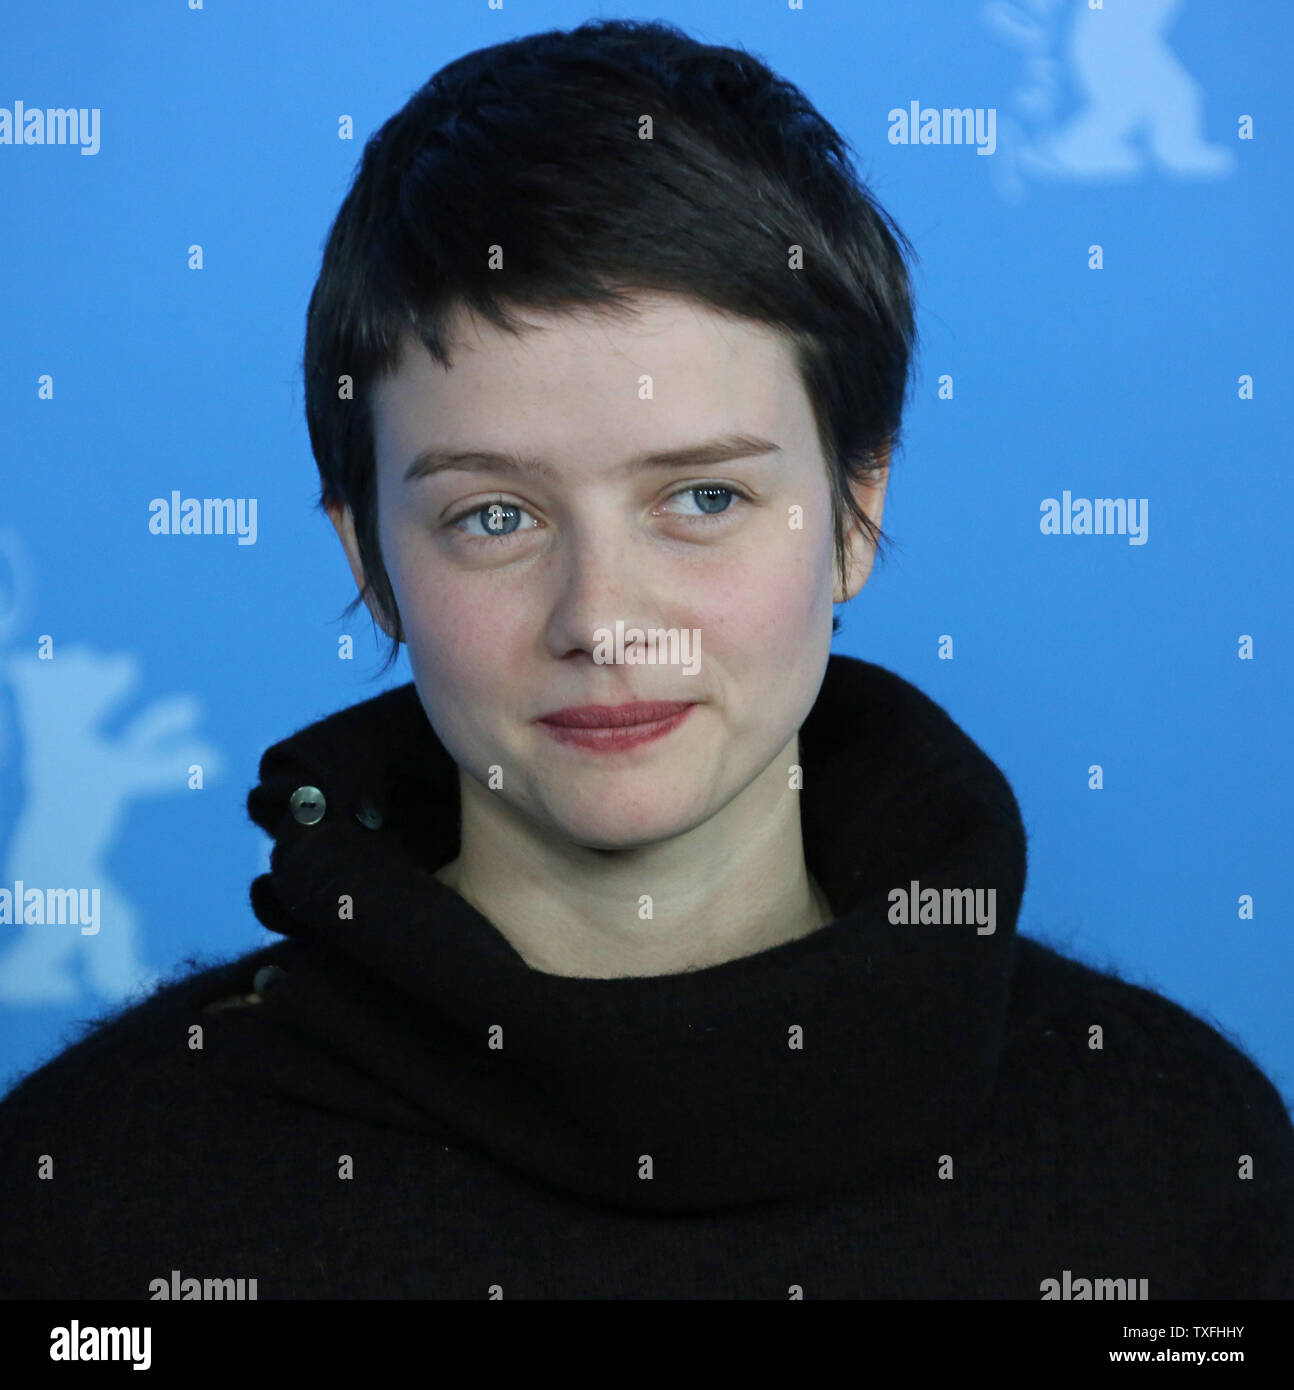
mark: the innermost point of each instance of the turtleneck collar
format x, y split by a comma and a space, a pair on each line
806, 1068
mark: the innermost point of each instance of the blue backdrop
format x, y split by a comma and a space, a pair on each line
1103, 291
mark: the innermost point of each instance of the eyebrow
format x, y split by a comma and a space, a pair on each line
720, 450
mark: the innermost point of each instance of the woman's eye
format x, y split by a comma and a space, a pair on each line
498, 520
711, 499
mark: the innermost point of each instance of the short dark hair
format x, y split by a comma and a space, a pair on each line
537, 144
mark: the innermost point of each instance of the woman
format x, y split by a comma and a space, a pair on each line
640, 947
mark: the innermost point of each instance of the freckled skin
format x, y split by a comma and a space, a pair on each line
500, 627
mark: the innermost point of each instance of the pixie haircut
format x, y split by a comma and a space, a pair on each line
616, 157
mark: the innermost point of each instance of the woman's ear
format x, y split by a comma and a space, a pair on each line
344, 524
869, 495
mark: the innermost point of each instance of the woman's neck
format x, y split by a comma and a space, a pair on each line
733, 886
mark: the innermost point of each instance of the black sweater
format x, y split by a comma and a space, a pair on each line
402, 1107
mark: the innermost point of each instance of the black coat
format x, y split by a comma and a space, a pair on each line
402, 1107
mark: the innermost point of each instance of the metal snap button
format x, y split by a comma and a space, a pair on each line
265, 977
308, 805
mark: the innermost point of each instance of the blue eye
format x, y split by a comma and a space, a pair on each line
711, 495
500, 520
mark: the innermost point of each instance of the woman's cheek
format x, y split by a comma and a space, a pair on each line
775, 590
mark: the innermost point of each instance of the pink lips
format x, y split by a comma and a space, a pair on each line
612, 728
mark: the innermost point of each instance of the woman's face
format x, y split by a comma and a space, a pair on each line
503, 609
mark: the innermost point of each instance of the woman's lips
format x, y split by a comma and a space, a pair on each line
613, 728
614, 716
